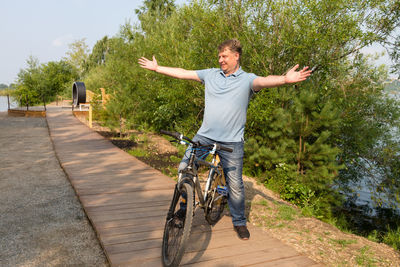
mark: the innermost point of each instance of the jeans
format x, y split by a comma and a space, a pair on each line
232, 165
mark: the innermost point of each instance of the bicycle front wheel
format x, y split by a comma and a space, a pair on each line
178, 226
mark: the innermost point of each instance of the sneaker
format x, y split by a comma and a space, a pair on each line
242, 232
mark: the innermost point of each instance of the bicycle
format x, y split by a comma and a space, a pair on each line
180, 214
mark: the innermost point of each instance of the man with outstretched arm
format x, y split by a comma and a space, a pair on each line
227, 94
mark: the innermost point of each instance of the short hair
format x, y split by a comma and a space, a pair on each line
233, 45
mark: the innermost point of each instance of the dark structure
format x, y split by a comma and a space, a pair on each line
78, 93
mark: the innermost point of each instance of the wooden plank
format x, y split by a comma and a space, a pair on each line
159, 220
270, 250
235, 260
122, 188
130, 247
127, 197
118, 215
131, 229
135, 259
127, 206
118, 181
149, 262
132, 237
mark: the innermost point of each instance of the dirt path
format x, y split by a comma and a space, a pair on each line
41, 220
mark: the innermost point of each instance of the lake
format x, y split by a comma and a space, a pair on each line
4, 104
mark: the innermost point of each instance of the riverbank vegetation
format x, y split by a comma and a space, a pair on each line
313, 143
41, 83
6, 89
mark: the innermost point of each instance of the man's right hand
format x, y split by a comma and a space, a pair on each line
148, 64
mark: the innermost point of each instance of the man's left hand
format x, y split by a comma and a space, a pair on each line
293, 76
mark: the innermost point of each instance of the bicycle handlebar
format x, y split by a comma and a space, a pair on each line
227, 149
181, 137
173, 134
177, 135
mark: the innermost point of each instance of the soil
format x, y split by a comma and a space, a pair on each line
41, 220
319, 241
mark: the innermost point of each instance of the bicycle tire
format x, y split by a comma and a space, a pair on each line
176, 234
216, 202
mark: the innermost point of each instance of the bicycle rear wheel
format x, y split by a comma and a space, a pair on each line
177, 227
216, 200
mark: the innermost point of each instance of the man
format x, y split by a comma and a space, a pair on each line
227, 94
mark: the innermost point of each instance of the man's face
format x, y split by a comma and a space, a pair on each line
228, 61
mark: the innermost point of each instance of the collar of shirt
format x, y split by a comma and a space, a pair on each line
235, 74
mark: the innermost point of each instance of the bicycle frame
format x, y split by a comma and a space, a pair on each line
192, 171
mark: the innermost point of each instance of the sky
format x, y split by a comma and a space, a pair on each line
44, 28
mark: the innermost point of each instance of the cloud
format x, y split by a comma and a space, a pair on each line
62, 40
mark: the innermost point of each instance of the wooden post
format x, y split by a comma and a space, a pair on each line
90, 116
8, 101
44, 103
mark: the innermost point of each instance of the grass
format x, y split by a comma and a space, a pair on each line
287, 213
342, 242
262, 202
139, 152
365, 258
392, 238
171, 172
279, 214
175, 159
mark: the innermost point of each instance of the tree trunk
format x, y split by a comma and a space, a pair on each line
299, 156
120, 125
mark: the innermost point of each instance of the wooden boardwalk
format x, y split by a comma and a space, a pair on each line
127, 202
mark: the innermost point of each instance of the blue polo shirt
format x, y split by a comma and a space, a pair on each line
226, 102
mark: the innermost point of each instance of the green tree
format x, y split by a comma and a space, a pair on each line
156, 9
301, 136
77, 55
98, 55
57, 78
40, 83
30, 83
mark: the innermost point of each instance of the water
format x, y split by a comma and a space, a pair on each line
368, 208
4, 104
